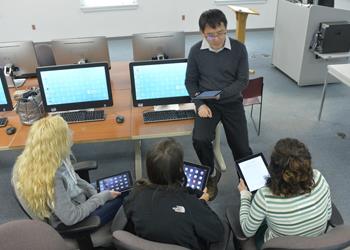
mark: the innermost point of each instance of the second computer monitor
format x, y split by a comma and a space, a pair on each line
158, 82
18, 58
74, 87
81, 50
5, 99
157, 46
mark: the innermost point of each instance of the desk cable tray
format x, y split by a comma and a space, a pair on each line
82, 116
168, 115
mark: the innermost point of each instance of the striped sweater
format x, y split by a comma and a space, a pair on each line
303, 215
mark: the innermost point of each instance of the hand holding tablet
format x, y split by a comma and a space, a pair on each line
120, 182
197, 175
253, 171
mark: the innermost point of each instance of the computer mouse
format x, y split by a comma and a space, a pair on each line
119, 119
10, 130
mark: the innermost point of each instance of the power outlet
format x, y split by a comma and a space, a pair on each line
183, 17
33, 27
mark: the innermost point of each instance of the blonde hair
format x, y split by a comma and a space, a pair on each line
48, 143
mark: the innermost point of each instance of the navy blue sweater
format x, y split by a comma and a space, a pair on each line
226, 70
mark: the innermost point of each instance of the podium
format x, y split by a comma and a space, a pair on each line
241, 20
295, 26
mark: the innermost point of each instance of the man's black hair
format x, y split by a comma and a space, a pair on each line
213, 18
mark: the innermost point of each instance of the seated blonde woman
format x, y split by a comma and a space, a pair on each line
45, 179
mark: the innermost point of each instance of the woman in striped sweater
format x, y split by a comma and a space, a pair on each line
295, 201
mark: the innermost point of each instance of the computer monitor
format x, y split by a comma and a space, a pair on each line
159, 82
18, 58
74, 87
328, 3
5, 99
160, 45
81, 50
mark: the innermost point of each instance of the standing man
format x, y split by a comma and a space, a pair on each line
218, 63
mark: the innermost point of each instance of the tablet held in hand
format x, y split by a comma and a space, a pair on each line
210, 94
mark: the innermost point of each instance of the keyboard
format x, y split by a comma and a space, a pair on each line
3, 121
83, 116
168, 115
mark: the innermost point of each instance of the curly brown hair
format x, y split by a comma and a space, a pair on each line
290, 169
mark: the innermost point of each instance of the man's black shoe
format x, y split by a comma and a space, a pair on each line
217, 175
212, 186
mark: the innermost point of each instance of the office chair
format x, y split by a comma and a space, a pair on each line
30, 235
124, 240
336, 238
84, 235
252, 95
44, 54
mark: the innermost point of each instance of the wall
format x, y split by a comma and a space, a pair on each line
342, 4
63, 18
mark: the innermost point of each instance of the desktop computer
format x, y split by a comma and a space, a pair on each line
334, 37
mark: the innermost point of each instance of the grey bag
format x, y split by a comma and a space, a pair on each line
30, 106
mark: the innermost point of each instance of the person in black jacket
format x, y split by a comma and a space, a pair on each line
162, 209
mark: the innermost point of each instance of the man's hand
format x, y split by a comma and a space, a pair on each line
204, 111
241, 186
115, 194
205, 195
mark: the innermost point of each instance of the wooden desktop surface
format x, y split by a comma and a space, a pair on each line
133, 127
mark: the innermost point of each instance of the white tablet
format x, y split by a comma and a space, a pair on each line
253, 170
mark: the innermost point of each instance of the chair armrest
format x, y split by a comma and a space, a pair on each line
336, 218
85, 166
234, 224
126, 241
337, 238
82, 169
87, 225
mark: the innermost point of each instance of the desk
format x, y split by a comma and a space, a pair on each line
133, 127
341, 72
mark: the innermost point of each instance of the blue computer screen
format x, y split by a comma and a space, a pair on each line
160, 80
3, 99
76, 85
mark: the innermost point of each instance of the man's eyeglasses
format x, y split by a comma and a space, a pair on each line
214, 35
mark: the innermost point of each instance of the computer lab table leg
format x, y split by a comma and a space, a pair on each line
323, 94
138, 159
217, 149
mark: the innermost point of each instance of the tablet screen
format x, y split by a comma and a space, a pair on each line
120, 182
253, 170
197, 175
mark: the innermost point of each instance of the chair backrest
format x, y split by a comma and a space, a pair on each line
254, 88
30, 235
124, 240
337, 238
23, 205
44, 54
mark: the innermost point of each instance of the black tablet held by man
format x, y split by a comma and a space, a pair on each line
210, 94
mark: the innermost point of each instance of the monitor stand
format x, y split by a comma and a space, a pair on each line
184, 106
